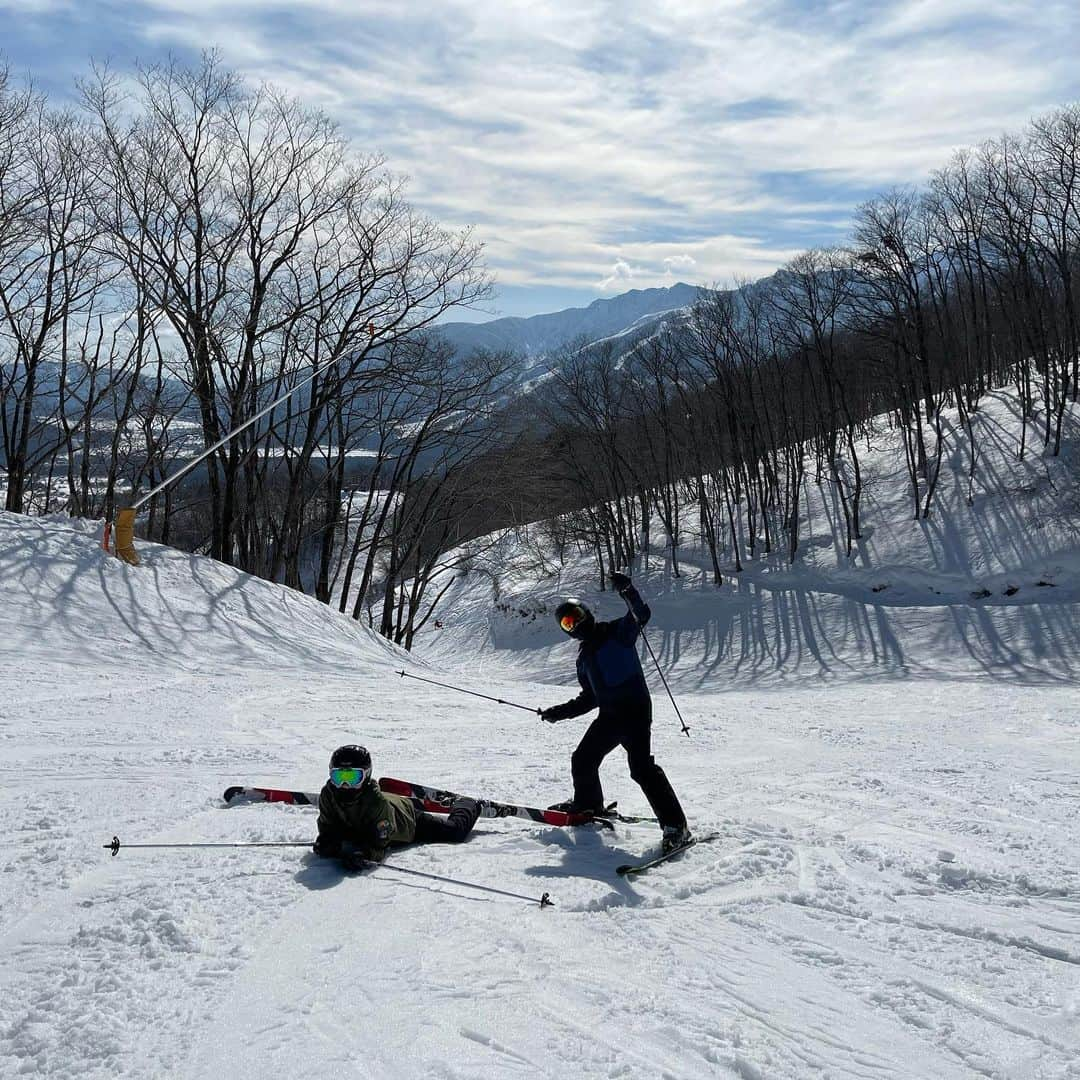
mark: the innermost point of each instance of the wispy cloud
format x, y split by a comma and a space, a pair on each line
679, 264
596, 142
622, 274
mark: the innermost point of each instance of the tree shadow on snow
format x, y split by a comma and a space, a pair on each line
165, 607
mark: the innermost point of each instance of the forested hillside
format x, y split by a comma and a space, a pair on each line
228, 249
988, 585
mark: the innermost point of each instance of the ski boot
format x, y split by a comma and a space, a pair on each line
675, 837
571, 807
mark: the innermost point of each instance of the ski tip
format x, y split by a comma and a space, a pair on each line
624, 869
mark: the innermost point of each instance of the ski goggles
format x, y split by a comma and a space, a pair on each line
572, 619
349, 778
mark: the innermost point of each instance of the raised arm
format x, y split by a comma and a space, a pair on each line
626, 629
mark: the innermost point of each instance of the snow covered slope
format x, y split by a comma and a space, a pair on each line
981, 589
895, 891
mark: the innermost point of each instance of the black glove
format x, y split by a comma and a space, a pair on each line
354, 860
620, 582
326, 847
549, 716
356, 857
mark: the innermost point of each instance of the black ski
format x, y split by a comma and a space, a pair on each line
638, 868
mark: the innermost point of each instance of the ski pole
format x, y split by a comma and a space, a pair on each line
461, 690
115, 846
644, 637
545, 900
641, 629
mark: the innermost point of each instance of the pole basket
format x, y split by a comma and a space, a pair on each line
125, 536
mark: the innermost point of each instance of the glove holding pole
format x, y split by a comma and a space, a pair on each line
622, 585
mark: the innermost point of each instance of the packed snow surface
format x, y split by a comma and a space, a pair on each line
895, 890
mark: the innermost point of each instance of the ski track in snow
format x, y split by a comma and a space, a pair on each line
895, 892
822, 935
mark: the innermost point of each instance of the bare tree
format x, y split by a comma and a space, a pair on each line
275, 254
51, 281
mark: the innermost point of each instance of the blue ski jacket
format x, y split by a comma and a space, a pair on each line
608, 667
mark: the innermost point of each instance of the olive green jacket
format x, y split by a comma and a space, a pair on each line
367, 818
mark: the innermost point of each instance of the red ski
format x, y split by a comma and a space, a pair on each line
436, 801
235, 796
433, 800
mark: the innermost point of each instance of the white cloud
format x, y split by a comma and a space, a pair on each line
619, 278
577, 133
678, 264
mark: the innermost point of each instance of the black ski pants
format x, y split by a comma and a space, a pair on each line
452, 829
630, 728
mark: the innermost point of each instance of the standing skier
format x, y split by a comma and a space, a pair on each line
611, 680
358, 823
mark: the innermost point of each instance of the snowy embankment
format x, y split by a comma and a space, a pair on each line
895, 891
990, 587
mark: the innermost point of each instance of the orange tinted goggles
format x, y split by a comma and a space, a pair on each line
570, 620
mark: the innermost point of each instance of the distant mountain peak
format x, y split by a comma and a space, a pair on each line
538, 334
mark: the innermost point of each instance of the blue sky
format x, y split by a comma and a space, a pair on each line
602, 145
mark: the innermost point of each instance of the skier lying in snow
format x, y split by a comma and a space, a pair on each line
358, 823
611, 679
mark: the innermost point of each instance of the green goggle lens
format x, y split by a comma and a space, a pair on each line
348, 777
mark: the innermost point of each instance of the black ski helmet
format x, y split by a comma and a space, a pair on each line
350, 757
575, 618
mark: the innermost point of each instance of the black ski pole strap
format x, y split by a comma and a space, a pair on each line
472, 693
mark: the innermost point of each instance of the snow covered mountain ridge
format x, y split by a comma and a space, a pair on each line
539, 334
